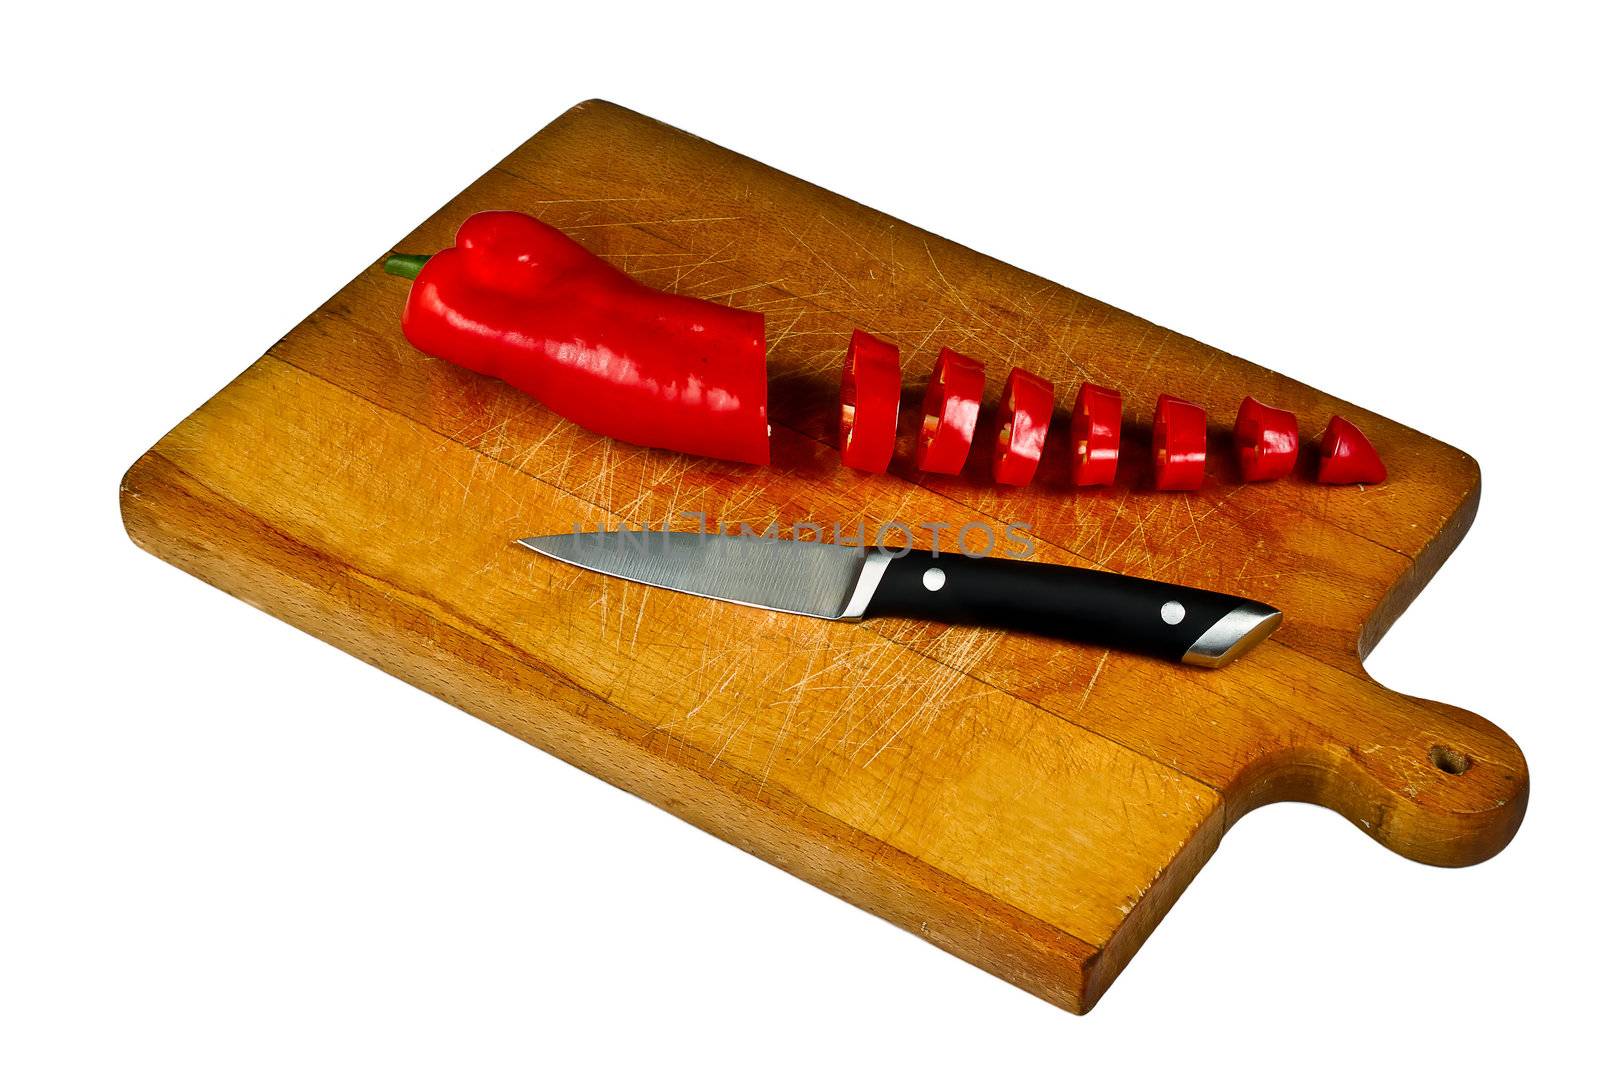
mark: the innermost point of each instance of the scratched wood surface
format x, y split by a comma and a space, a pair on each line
1033, 807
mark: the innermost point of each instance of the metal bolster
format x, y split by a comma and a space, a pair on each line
866, 584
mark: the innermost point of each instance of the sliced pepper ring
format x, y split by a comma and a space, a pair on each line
1266, 440
1347, 456
1096, 436
1178, 443
1026, 406
949, 413
869, 403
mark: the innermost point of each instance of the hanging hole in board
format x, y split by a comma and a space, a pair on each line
1450, 760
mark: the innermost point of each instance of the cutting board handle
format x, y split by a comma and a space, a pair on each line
1430, 781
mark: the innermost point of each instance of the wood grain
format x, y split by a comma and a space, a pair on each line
1033, 807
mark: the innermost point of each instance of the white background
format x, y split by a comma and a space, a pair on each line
223, 843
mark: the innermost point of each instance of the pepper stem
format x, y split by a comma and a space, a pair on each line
405, 266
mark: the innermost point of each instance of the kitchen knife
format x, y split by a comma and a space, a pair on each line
1183, 624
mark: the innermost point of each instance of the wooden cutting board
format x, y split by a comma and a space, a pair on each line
1033, 807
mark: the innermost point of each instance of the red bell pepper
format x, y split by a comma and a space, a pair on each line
1025, 410
1179, 443
949, 413
1347, 456
869, 403
1096, 436
518, 300
1266, 440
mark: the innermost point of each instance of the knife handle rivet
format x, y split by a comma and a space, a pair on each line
1173, 612
933, 579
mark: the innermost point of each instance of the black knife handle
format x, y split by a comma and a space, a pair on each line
1105, 609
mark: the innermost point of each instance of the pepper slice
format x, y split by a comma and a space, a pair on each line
518, 300
949, 413
1347, 456
1179, 444
1026, 406
1266, 440
869, 403
1096, 436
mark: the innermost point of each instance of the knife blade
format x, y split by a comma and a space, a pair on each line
849, 583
